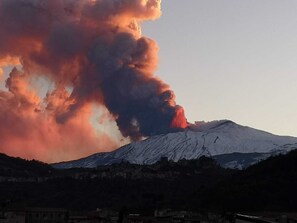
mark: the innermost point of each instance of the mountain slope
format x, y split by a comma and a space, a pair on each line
209, 139
268, 185
188, 185
17, 167
243, 160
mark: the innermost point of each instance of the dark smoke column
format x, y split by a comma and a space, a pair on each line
142, 104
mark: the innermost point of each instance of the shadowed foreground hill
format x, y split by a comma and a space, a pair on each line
17, 167
134, 186
268, 185
196, 184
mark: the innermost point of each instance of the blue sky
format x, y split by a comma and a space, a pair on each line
231, 59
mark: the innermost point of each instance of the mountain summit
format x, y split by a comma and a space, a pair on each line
214, 139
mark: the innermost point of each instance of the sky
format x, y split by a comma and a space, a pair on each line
85, 71
230, 59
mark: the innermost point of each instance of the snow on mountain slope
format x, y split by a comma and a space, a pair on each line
243, 160
202, 138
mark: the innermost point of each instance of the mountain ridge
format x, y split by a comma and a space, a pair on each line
200, 139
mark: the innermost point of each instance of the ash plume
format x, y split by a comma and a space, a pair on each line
94, 47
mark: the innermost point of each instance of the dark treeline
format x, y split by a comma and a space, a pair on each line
195, 184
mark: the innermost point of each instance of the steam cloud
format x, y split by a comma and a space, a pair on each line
94, 48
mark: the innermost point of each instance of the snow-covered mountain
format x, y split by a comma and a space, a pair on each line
215, 139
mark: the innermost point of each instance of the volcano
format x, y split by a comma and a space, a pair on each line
232, 145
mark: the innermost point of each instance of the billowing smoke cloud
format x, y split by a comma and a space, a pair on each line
94, 48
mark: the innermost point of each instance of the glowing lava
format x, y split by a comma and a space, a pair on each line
179, 121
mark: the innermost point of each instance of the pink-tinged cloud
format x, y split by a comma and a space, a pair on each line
96, 49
